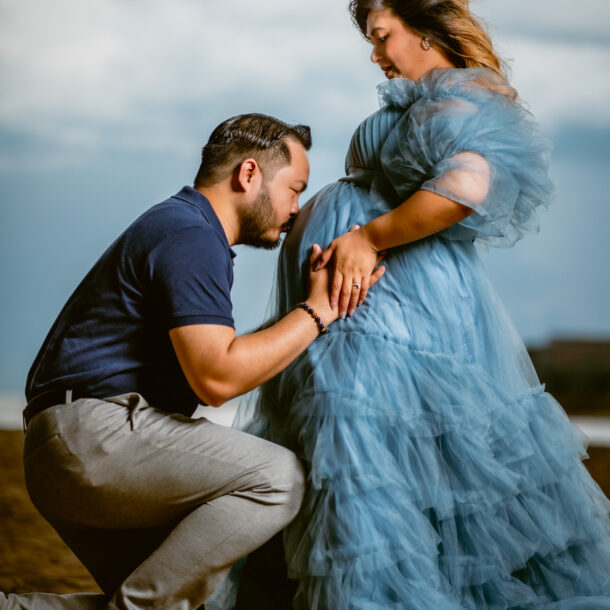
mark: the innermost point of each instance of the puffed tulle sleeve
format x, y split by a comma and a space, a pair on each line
461, 138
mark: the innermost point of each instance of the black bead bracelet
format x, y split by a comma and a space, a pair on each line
315, 316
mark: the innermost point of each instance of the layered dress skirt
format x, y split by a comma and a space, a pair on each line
441, 474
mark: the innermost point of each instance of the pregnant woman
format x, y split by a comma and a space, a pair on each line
441, 475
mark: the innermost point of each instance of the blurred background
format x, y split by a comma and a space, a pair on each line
105, 105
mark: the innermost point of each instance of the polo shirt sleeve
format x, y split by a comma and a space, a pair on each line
191, 274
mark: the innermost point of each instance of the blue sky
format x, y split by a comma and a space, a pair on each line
105, 104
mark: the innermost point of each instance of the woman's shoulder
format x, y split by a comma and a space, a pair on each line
462, 109
470, 87
448, 113
465, 88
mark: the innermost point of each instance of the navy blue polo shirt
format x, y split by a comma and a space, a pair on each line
172, 267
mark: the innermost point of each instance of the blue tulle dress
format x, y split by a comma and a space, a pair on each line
441, 475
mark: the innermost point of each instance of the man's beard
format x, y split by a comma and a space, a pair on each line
255, 220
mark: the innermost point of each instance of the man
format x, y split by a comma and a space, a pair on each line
156, 505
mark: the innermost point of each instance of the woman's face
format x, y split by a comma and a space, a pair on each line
399, 51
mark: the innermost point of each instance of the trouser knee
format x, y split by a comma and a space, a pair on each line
286, 476
296, 484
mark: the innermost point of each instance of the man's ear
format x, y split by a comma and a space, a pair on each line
246, 176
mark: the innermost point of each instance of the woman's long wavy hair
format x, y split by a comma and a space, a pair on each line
447, 23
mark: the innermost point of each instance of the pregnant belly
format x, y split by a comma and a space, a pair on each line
426, 290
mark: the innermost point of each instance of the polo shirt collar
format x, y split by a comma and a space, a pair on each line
194, 197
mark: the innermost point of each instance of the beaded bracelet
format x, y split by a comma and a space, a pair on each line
315, 316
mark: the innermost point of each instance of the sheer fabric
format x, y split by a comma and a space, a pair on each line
441, 474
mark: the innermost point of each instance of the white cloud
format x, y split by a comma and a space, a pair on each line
80, 76
104, 59
133, 74
562, 83
586, 20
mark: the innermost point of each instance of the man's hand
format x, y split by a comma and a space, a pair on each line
219, 366
318, 289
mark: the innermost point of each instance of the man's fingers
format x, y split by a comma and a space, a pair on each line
323, 259
353, 228
336, 288
316, 252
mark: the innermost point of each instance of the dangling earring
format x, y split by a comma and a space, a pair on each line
425, 43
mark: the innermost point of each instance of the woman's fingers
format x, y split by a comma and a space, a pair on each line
376, 276
355, 297
367, 283
364, 290
328, 253
351, 293
348, 286
351, 278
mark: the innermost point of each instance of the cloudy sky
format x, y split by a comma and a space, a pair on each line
105, 104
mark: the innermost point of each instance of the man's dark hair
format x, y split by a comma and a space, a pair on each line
258, 136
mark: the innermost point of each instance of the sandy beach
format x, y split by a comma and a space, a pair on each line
33, 558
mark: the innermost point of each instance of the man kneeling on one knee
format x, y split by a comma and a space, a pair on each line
158, 505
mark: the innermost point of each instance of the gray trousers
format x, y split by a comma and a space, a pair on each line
156, 506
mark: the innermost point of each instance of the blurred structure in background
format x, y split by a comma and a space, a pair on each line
577, 373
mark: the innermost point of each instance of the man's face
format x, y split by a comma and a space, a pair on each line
277, 203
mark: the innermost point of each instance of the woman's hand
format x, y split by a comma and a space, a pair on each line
356, 253
355, 258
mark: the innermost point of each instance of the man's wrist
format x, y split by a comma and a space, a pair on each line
313, 314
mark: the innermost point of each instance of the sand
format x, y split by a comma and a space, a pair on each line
33, 558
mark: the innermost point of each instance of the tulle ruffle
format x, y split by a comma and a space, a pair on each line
450, 118
441, 475
447, 494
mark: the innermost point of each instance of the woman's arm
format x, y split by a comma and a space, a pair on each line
356, 252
